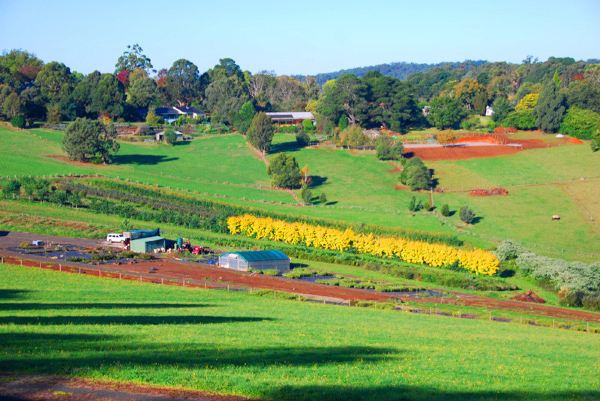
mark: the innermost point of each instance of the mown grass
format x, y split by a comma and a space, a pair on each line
270, 348
360, 189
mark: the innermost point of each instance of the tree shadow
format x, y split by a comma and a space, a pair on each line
74, 306
331, 203
416, 393
291, 146
71, 352
7, 293
126, 320
142, 159
316, 180
476, 220
294, 265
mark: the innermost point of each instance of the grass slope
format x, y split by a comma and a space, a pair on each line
360, 188
276, 349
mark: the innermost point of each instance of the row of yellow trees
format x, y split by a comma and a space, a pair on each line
311, 235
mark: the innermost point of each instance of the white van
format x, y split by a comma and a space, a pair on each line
114, 237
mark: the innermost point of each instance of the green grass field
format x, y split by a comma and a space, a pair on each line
276, 349
360, 188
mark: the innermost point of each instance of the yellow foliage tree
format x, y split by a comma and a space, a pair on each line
528, 102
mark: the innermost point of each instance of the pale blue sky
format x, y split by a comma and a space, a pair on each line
303, 36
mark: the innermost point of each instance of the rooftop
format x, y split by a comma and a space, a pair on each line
260, 255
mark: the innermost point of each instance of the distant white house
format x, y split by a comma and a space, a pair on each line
426, 110
489, 111
171, 114
290, 117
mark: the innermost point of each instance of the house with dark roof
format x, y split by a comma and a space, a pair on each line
172, 113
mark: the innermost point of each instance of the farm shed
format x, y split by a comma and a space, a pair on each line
147, 245
255, 260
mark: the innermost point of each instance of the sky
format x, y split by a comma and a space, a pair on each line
299, 37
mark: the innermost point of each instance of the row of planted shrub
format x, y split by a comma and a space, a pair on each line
310, 235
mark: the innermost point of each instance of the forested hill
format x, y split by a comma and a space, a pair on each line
400, 70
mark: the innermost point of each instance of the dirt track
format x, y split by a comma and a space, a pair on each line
172, 272
53, 388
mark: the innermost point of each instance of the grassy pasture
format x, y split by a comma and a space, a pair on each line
360, 189
276, 349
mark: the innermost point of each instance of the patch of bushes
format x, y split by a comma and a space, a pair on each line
575, 282
18, 121
524, 120
580, 123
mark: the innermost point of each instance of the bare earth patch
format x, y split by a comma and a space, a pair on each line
53, 388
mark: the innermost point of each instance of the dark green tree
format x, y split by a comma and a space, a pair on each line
306, 195
344, 96
261, 131
584, 94
108, 97
445, 210
415, 174
89, 140
322, 198
11, 189
224, 98
56, 82
595, 141
446, 112
467, 214
302, 138
501, 108
142, 92
244, 117
183, 82
284, 171
550, 108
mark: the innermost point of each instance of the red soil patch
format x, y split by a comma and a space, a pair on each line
575, 141
400, 187
396, 169
499, 191
205, 276
463, 152
54, 388
529, 296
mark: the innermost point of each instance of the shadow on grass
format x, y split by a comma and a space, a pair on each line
12, 294
417, 393
126, 320
316, 180
291, 146
70, 306
66, 353
142, 159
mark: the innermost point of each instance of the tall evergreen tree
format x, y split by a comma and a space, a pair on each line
550, 108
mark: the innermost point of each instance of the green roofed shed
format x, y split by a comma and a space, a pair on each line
147, 245
255, 260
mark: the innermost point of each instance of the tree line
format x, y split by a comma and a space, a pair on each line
557, 95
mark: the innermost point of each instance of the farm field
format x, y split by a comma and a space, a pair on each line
361, 189
271, 348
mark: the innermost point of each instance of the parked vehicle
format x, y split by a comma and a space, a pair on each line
37, 242
115, 238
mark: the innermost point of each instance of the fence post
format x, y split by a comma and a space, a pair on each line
59, 267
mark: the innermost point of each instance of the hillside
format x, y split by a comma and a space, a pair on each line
400, 70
